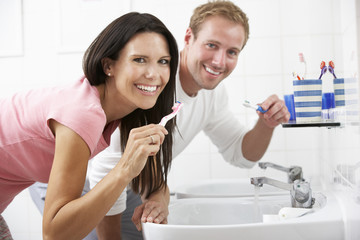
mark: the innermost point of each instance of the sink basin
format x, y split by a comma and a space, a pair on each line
225, 188
244, 218
211, 211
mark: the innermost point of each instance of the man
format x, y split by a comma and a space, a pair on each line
217, 33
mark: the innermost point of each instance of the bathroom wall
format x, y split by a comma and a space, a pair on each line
339, 157
43, 41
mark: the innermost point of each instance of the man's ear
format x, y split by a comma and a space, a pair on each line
107, 65
188, 36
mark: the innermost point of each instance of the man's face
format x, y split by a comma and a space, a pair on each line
213, 55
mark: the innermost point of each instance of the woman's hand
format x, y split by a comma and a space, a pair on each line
143, 142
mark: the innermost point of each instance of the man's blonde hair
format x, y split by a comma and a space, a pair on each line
222, 8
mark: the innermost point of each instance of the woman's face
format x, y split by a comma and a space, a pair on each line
141, 71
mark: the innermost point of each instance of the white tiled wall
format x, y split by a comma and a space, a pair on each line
45, 43
23, 218
340, 148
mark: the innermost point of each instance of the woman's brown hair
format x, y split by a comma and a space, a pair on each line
108, 44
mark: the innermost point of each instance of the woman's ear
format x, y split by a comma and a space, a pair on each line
107, 66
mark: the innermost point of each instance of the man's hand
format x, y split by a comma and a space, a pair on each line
150, 211
277, 112
153, 210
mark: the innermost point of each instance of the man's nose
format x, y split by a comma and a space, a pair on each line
219, 58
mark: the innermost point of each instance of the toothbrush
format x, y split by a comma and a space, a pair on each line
331, 68
323, 69
296, 76
256, 107
176, 108
302, 60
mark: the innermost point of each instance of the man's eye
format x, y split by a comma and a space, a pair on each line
139, 60
211, 45
233, 53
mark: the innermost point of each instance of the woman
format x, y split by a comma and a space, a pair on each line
50, 134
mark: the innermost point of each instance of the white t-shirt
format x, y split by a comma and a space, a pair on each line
208, 112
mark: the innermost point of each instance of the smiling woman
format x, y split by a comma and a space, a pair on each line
141, 72
129, 82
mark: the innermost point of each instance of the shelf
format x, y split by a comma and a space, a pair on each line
293, 124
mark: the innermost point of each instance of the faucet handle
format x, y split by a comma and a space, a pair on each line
295, 173
301, 194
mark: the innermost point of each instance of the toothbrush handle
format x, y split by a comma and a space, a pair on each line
260, 109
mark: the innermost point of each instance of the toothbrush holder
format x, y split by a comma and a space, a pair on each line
308, 100
346, 99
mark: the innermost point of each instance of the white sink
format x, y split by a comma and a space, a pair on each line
210, 211
225, 188
241, 218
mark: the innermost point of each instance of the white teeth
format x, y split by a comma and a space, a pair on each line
146, 88
211, 71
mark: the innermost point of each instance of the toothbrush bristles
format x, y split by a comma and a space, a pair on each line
248, 104
176, 105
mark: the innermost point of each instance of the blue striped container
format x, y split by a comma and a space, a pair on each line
307, 98
346, 98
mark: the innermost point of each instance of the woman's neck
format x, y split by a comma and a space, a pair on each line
113, 107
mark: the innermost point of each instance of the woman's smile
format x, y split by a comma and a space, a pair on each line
147, 89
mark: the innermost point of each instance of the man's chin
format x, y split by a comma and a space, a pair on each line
210, 86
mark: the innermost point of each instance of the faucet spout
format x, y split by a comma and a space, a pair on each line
300, 191
293, 172
260, 181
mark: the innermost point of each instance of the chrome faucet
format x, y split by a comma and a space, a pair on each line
300, 191
293, 172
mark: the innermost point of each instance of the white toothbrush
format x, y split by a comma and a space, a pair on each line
253, 106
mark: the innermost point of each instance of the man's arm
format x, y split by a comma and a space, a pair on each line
154, 209
257, 140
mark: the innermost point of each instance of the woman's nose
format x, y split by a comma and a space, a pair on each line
151, 73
